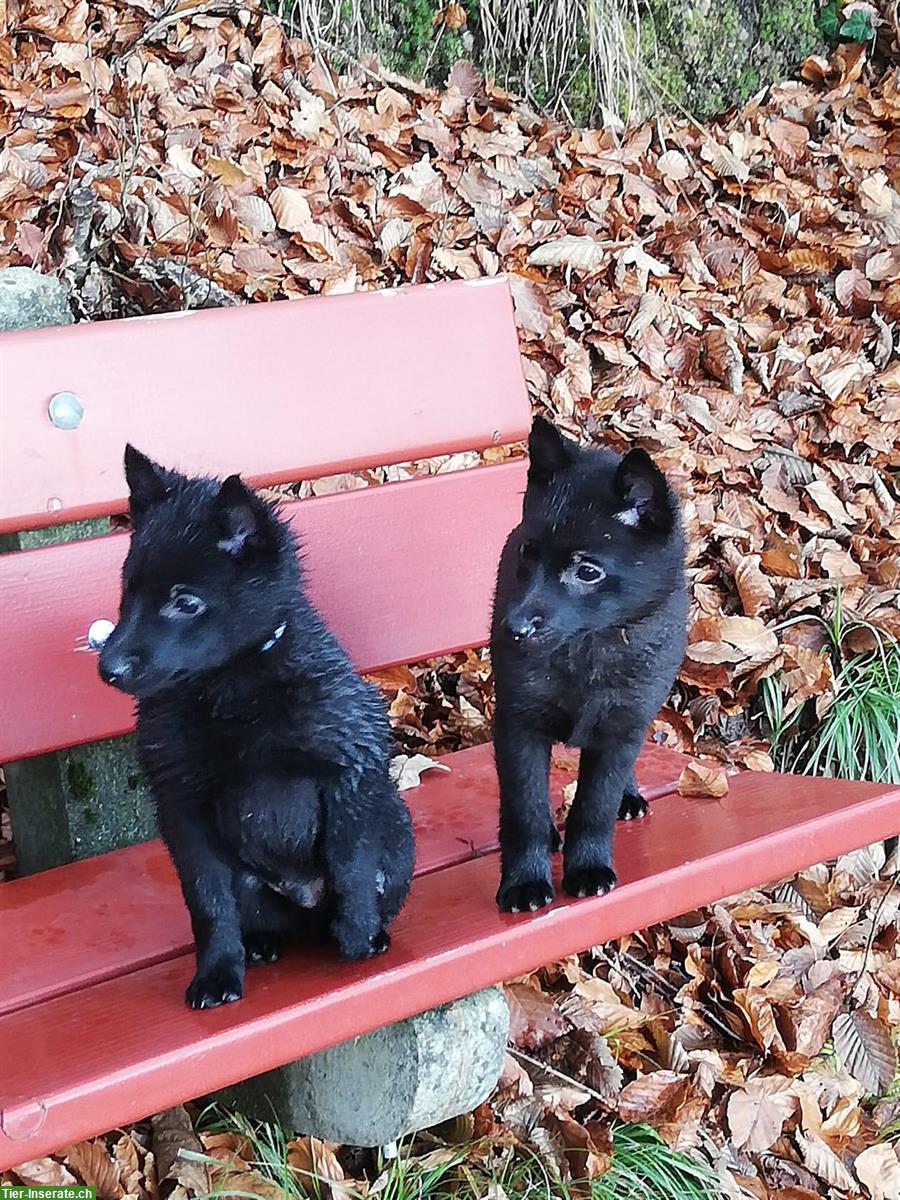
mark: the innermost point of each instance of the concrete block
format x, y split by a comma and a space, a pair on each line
376, 1088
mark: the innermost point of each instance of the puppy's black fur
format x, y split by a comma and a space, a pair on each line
266, 753
589, 630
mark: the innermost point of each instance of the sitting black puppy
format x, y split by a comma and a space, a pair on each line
589, 629
266, 754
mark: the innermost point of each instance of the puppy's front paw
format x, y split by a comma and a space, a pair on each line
221, 985
381, 942
633, 807
589, 881
525, 897
262, 947
356, 942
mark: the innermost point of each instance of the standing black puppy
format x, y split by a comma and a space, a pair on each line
589, 630
267, 755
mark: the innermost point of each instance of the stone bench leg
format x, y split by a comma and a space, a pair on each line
382, 1085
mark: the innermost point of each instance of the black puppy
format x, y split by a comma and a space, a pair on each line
267, 755
589, 629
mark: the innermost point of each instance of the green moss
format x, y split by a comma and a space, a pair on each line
81, 781
748, 81
781, 22
708, 57
411, 44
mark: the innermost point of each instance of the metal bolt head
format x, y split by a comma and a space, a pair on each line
66, 410
98, 633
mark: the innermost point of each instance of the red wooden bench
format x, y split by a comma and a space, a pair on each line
96, 955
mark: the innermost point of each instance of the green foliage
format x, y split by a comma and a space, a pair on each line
859, 735
829, 20
856, 28
645, 1168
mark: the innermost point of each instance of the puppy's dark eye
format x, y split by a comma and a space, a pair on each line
183, 604
190, 606
588, 573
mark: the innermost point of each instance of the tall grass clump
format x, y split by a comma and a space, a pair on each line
858, 736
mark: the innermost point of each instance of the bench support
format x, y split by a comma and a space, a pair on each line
376, 1088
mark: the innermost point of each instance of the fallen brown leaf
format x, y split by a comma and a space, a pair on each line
701, 780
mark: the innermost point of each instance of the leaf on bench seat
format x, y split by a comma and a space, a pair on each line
407, 769
701, 780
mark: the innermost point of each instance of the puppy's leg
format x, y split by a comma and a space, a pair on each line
527, 833
633, 805
397, 856
603, 773
352, 861
207, 883
265, 918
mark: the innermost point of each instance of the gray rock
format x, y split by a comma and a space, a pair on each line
372, 1090
29, 300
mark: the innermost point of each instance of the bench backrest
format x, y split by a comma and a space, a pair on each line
280, 392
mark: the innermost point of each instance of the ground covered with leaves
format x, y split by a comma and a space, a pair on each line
725, 295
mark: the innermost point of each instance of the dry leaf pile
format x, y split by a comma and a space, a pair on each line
725, 295
762, 1025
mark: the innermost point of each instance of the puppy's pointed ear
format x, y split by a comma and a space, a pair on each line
147, 482
548, 451
244, 519
643, 493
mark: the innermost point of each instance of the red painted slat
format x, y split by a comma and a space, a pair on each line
395, 570
128, 1047
281, 391
121, 911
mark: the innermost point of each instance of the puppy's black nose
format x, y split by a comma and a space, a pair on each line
117, 669
523, 628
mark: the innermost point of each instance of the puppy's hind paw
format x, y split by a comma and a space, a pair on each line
525, 897
633, 807
263, 947
221, 985
589, 881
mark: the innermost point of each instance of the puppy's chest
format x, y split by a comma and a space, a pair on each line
575, 694
270, 825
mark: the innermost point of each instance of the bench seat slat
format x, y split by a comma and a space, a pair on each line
121, 911
396, 571
281, 391
127, 1047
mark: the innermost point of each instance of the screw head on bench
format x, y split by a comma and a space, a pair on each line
66, 410
98, 632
